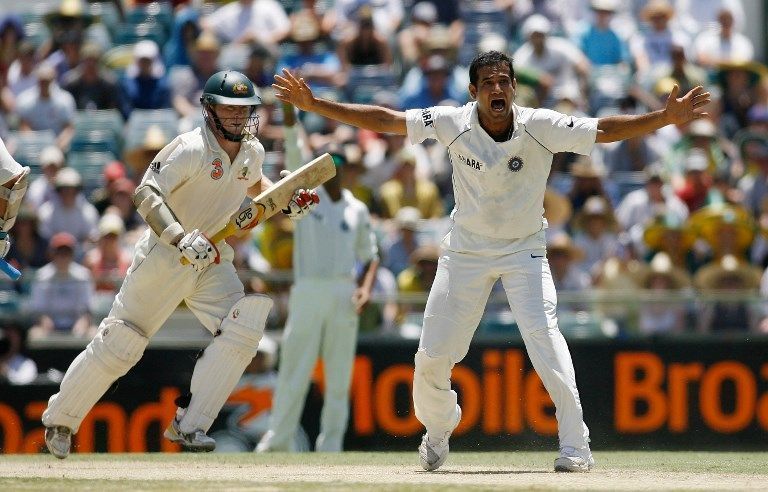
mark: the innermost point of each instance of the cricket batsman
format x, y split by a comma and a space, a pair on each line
188, 193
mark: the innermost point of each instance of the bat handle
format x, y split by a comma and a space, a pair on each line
12, 272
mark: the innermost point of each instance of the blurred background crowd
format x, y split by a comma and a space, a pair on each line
664, 234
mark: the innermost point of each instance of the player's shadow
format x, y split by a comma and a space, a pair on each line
488, 472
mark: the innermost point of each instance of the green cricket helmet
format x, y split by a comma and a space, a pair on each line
229, 87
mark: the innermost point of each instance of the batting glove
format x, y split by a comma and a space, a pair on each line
5, 243
302, 202
198, 250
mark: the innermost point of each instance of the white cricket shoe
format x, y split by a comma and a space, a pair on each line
58, 440
193, 441
433, 454
574, 460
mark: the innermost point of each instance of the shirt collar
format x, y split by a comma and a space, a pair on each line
474, 118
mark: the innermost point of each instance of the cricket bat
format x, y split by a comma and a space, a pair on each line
276, 197
9, 270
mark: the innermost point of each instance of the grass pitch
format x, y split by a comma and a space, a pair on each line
382, 471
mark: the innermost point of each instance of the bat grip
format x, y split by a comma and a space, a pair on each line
230, 230
10, 270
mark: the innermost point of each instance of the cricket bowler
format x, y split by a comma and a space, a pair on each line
188, 193
501, 155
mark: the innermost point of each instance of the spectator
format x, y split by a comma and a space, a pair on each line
69, 211
722, 44
740, 83
364, 46
245, 21
599, 43
15, 367
699, 15
697, 182
28, 249
436, 87
187, 81
668, 234
413, 39
321, 68
21, 73
108, 262
588, 178
654, 46
100, 196
67, 57
640, 206
557, 210
754, 185
47, 107
665, 312
43, 188
91, 86
259, 66
120, 203
632, 154
420, 274
11, 34
62, 292
144, 85
397, 253
731, 313
702, 138
387, 16
140, 157
564, 258
728, 230
596, 233
186, 29
353, 173
679, 71
406, 189
558, 57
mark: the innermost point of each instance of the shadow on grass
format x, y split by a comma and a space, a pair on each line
489, 472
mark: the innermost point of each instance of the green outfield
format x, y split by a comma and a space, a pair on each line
382, 471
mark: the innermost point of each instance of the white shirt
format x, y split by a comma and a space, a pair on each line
558, 59
333, 238
263, 19
636, 210
62, 297
499, 186
736, 49
80, 220
53, 113
199, 183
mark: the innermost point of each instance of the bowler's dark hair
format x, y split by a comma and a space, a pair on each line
488, 59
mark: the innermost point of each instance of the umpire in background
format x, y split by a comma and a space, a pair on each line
324, 306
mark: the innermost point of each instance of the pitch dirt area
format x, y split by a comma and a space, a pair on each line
382, 471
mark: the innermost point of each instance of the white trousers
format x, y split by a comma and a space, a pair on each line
321, 322
154, 286
454, 308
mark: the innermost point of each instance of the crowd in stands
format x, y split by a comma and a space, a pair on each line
90, 91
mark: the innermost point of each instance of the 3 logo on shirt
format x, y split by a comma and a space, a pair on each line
218, 170
515, 164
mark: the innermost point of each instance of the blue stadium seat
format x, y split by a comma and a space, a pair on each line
90, 165
28, 146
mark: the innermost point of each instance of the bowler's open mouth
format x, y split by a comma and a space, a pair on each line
498, 105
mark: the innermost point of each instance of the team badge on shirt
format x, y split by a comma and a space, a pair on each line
218, 170
515, 164
244, 173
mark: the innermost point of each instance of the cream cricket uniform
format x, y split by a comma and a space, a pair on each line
203, 189
321, 318
498, 232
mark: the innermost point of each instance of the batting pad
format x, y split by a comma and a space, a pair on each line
224, 360
113, 351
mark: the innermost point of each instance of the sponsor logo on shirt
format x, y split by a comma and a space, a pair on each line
515, 164
244, 173
426, 118
473, 163
155, 167
218, 170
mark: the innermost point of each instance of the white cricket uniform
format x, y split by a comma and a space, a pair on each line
322, 321
203, 189
498, 232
